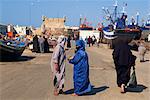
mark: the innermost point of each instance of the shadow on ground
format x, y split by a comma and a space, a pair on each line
44, 52
146, 60
139, 88
94, 91
22, 58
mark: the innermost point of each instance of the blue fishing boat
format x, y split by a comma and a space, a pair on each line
118, 27
10, 50
147, 25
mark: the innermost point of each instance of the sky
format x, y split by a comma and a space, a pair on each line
29, 12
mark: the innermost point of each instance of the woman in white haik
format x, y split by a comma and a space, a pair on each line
142, 51
58, 65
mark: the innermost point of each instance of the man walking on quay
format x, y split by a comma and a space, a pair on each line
123, 60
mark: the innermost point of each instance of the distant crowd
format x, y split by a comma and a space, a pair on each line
42, 44
92, 41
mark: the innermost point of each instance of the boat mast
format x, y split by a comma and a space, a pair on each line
80, 20
111, 17
137, 18
148, 21
108, 15
123, 10
149, 16
115, 11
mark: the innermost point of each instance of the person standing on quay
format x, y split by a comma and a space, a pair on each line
35, 44
81, 70
41, 44
58, 65
86, 41
123, 60
89, 41
93, 40
142, 51
46, 45
69, 42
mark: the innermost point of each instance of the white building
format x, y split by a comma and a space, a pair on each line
10, 28
86, 33
71, 27
22, 30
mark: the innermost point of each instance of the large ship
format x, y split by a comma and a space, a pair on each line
118, 27
86, 30
85, 24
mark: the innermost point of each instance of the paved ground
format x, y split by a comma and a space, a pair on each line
30, 78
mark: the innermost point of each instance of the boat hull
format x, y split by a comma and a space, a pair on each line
129, 33
118, 35
9, 52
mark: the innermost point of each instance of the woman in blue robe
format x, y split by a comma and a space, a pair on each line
81, 70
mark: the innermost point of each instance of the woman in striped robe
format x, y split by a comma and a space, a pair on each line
58, 65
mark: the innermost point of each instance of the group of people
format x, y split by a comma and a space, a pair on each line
81, 68
40, 44
92, 40
123, 61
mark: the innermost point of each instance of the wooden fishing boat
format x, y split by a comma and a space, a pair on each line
10, 51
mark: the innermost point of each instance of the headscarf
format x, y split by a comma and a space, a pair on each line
80, 44
61, 40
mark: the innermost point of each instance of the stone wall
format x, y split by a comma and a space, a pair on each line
53, 25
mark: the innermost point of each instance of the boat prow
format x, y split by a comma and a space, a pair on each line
9, 52
109, 35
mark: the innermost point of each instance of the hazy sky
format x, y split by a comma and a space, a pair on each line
29, 12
